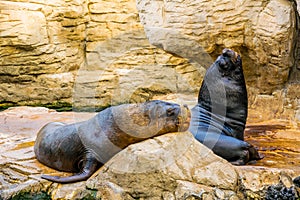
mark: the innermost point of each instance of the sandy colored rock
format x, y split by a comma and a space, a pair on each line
49, 51
172, 166
263, 32
256, 29
152, 167
256, 183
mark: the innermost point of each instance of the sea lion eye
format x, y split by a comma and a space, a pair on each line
170, 112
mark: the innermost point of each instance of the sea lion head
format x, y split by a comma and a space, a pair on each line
224, 83
152, 118
229, 64
170, 117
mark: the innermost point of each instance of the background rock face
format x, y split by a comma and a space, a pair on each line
262, 31
41, 46
86, 53
95, 53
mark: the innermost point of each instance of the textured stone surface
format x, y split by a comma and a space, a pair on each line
133, 75
85, 53
172, 166
151, 168
263, 31
39, 50
94, 53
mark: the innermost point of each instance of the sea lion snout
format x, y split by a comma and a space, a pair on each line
179, 112
230, 54
178, 115
184, 118
228, 61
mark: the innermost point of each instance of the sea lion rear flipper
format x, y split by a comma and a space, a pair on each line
90, 166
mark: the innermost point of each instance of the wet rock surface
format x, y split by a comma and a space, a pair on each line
278, 140
173, 166
20, 171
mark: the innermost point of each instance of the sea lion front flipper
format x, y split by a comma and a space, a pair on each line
248, 155
243, 159
89, 167
254, 154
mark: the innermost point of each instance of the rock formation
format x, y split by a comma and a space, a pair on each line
171, 166
264, 32
98, 53
83, 53
95, 53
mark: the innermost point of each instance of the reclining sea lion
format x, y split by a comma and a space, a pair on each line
219, 118
83, 147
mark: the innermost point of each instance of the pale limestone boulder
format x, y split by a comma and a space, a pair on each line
172, 162
176, 166
262, 31
255, 180
171, 166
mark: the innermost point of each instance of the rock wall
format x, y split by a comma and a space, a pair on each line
42, 44
262, 31
265, 33
95, 53
83, 53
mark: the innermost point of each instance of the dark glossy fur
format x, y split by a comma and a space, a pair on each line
219, 118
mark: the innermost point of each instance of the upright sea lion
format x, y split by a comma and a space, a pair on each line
219, 118
82, 147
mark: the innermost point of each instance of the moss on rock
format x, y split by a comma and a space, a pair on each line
31, 196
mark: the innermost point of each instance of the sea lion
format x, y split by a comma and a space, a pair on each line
219, 118
83, 147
